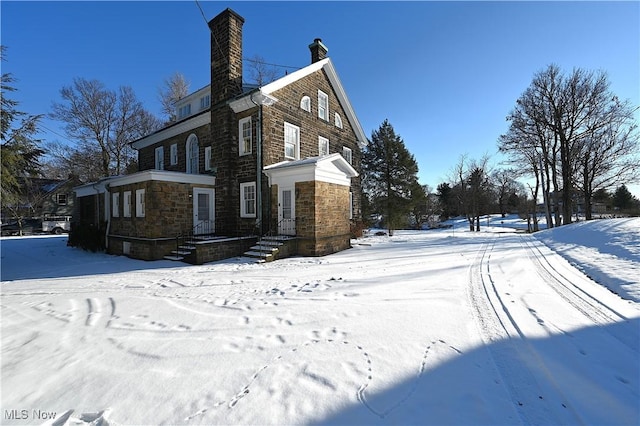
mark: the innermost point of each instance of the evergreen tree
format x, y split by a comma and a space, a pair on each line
622, 198
389, 176
19, 149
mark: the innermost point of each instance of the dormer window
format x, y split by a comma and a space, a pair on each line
205, 101
184, 111
338, 121
305, 103
323, 105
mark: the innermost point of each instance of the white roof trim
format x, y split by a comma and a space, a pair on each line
147, 175
331, 168
253, 99
169, 132
325, 64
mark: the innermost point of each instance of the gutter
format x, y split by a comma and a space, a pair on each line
258, 166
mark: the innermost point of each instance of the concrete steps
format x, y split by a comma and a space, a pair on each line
270, 248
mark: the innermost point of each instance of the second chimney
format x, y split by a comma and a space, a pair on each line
318, 50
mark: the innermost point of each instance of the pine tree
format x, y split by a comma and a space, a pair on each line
622, 198
19, 149
389, 176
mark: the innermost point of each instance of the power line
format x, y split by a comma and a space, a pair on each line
252, 60
267, 63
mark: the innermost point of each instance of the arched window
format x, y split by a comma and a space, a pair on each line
338, 121
193, 154
305, 103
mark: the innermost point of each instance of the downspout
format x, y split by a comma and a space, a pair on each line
106, 240
258, 166
107, 214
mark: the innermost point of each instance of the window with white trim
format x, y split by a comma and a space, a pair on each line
323, 105
61, 199
248, 199
192, 154
160, 158
291, 141
139, 202
245, 137
174, 154
115, 204
338, 121
207, 158
205, 101
184, 111
347, 154
126, 207
323, 146
305, 103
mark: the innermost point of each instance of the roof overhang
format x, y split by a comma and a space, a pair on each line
252, 100
330, 70
103, 185
174, 130
264, 94
330, 168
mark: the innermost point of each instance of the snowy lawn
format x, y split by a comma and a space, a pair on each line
425, 327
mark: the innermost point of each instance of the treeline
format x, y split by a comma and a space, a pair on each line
570, 135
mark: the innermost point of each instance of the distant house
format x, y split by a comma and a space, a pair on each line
42, 198
241, 164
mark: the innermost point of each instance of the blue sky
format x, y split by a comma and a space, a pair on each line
445, 74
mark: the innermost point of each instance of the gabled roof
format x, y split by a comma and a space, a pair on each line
265, 93
331, 168
261, 96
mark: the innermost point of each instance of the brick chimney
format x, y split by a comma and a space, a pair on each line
226, 56
318, 50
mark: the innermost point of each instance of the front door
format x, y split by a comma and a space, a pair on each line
203, 211
286, 212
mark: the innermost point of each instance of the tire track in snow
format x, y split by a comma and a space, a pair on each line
510, 350
594, 309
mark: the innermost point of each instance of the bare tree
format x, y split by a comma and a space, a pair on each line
557, 124
260, 72
103, 119
609, 152
174, 88
473, 189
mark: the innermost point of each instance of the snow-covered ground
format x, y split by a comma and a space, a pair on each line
425, 327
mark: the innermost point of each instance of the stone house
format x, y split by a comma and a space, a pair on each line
240, 164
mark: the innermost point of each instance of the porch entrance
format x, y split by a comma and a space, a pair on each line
203, 211
286, 212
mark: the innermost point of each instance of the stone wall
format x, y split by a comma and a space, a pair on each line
311, 127
210, 251
322, 218
146, 155
168, 213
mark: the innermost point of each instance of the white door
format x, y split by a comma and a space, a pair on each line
203, 211
286, 212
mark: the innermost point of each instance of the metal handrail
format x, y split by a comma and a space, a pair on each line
203, 228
